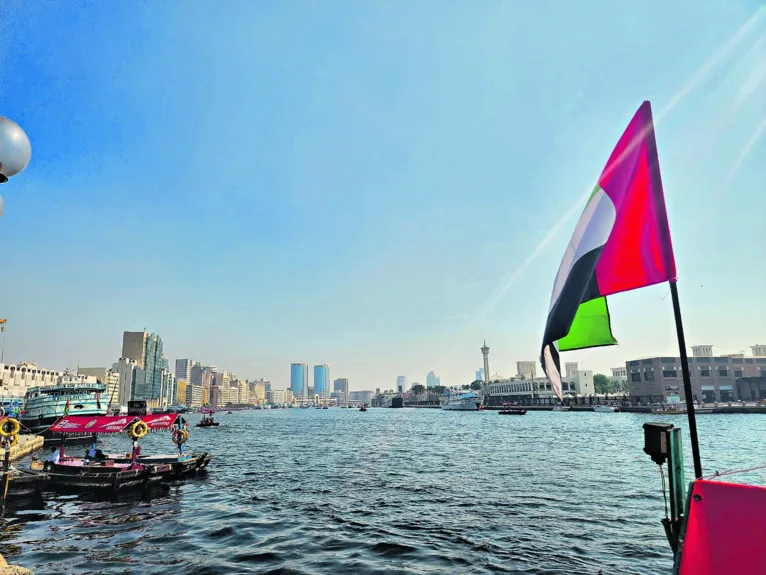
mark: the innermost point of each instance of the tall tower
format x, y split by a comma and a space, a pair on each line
485, 353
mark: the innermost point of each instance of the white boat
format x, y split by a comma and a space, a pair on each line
461, 401
561, 408
43, 406
604, 409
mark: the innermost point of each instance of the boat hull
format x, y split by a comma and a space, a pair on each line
604, 409
94, 478
512, 412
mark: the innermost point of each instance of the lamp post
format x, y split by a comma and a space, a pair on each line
15, 151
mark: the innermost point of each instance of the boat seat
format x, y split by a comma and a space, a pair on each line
725, 530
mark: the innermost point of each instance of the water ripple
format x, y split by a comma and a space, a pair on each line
308, 492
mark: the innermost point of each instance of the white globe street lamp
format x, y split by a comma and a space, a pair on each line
15, 151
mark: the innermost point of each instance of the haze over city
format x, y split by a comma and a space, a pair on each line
374, 198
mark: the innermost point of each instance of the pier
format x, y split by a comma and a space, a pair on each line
25, 445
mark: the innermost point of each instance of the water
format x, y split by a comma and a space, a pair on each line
388, 491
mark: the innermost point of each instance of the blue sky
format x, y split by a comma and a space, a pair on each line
359, 183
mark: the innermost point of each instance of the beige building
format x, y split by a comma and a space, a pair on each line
194, 395
15, 380
526, 369
659, 379
181, 392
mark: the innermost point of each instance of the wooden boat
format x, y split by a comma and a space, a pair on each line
207, 419
363, 408
117, 472
512, 412
26, 482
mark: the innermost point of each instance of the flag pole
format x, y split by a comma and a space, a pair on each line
687, 381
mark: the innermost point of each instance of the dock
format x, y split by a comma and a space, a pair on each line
25, 445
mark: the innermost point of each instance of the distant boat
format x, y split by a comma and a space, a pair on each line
604, 409
561, 408
363, 408
461, 401
512, 412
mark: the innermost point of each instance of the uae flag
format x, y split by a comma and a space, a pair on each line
622, 242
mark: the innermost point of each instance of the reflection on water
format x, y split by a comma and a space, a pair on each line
387, 491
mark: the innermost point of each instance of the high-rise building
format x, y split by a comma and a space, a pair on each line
146, 350
196, 373
433, 379
340, 386
299, 379
526, 369
401, 383
322, 380
184, 369
126, 371
134, 346
480, 374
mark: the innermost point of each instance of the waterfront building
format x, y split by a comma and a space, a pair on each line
194, 396
526, 369
525, 391
360, 396
758, 350
279, 396
619, 377
180, 392
15, 379
433, 379
184, 369
571, 368
340, 388
243, 391
259, 392
126, 370
299, 379
702, 350
713, 378
321, 380
401, 384
109, 377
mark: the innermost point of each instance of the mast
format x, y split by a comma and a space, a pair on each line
687, 381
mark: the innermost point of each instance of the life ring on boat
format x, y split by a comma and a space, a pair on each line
138, 430
180, 436
9, 427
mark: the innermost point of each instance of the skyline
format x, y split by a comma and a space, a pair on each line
379, 199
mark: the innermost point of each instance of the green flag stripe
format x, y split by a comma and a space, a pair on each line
591, 327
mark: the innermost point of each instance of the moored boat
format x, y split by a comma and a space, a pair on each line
561, 408
98, 471
512, 411
604, 408
43, 406
461, 401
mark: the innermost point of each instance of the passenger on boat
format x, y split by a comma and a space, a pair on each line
55, 455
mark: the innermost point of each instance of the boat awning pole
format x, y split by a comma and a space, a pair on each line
687, 381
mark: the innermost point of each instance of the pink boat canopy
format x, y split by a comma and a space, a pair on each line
724, 530
107, 424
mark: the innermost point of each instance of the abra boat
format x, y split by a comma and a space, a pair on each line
461, 401
120, 472
43, 406
207, 419
26, 482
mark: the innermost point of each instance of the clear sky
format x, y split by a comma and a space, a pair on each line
372, 185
